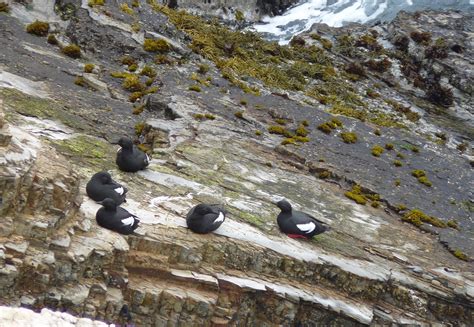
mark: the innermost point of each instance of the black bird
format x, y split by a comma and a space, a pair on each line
297, 224
125, 313
205, 218
115, 218
102, 186
129, 157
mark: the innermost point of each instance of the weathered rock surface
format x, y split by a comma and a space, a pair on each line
370, 269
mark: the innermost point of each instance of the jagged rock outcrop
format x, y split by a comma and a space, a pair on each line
234, 10
370, 269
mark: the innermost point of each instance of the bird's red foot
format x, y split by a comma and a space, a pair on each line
295, 236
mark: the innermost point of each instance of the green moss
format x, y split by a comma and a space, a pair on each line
52, 39
275, 129
92, 3
199, 116
397, 163
424, 180
400, 155
132, 68
120, 74
80, 81
302, 131
86, 149
349, 137
72, 51
239, 114
325, 128
324, 174
210, 116
375, 204
128, 60
398, 182
4, 7
377, 150
301, 139
243, 102
288, 141
258, 133
88, 68
305, 123
418, 173
134, 96
280, 121
38, 28
195, 88
149, 81
138, 109
418, 217
148, 71
460, 255
453, 224
389, 146
132, 83
164, 60
135, 3
239, 16
136, 27
378, 132
139, 128
203, 69
372, 94
126, 9
42, 108
415, 149
421, 37
356, 195
159, 45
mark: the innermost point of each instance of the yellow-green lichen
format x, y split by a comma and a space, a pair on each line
86, 149
258, 133
38, 28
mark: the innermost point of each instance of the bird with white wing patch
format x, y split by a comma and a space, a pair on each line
115, 218
205, 218
102, 186
298, 224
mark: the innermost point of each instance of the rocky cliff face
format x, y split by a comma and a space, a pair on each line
212, 122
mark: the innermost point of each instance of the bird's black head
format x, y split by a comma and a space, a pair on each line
103, 176
125, 142
109, 204
203, 209
284, 205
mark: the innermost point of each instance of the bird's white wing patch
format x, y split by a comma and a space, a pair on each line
307, 228
128, 221
219, 218
119, 190
119, 150
147, 158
